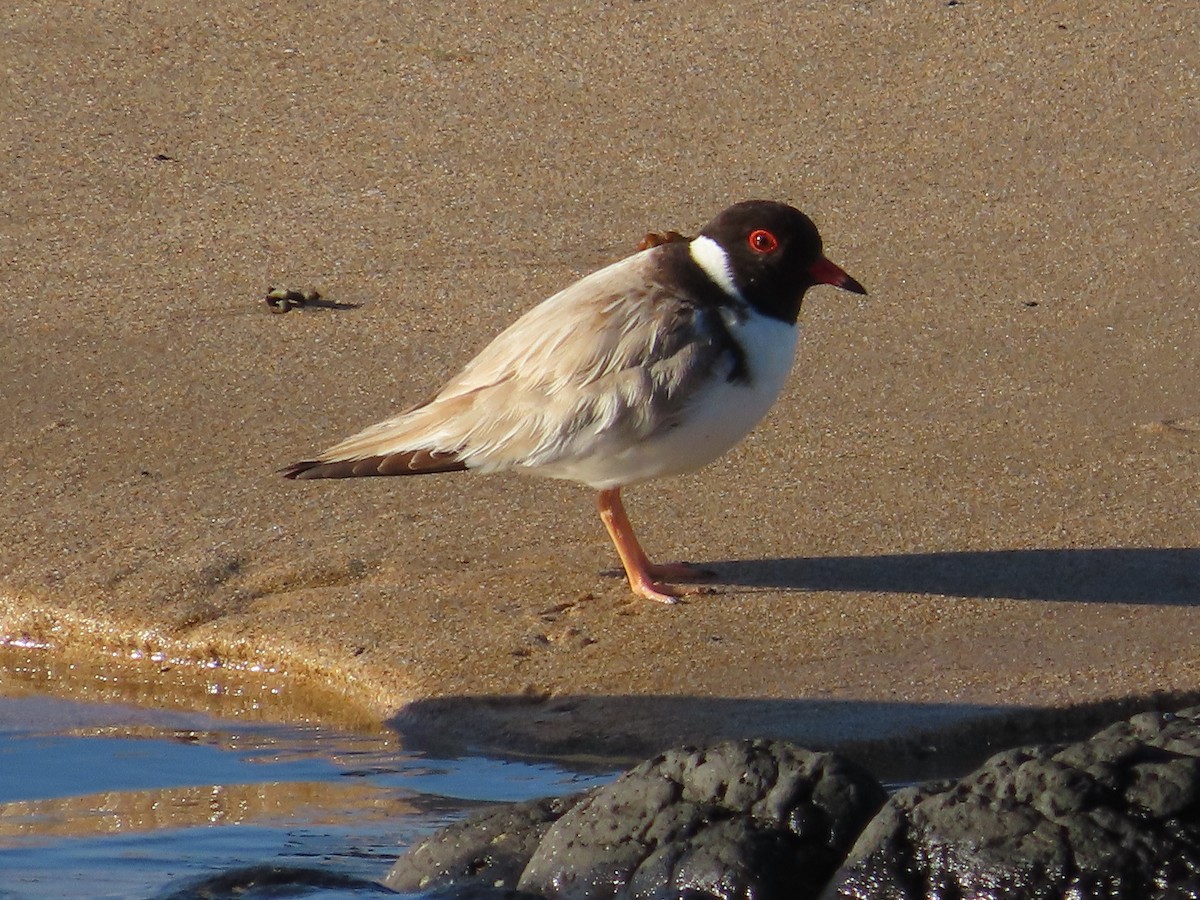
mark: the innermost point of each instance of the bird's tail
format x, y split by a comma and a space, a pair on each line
403, 462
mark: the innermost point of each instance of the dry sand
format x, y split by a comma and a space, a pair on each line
979, 494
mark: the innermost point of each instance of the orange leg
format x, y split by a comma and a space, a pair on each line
643, 575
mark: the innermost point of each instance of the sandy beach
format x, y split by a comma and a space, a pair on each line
979, 493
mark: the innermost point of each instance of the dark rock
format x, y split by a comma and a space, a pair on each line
1117, 816
272, 881
476, 891
759, 819
491, 848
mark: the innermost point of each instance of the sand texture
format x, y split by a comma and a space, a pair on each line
979, 493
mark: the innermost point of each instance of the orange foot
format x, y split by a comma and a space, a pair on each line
645, 577
663, 592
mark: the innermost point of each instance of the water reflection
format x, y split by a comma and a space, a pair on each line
118, 800
126, 812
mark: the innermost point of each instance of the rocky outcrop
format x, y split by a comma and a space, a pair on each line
1116, 816
758, 819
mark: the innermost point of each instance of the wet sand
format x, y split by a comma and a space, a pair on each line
979, 494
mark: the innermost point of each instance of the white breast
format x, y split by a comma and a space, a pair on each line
721, 414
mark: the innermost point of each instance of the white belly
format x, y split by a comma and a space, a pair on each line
721, 414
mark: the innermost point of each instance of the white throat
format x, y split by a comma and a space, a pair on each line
712, 258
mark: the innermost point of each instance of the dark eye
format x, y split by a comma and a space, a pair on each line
762, 241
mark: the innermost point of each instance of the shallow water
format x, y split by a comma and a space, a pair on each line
112, 800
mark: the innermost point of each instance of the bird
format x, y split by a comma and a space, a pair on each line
652, 366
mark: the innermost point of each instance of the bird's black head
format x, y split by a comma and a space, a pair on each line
768, 253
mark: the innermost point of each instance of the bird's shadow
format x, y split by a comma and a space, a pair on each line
1168, 576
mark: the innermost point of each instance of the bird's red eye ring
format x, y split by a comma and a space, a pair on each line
762, 241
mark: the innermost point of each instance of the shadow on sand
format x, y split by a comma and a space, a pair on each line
1168, 576
897, 741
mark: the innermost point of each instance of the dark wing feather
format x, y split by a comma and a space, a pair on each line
413, 462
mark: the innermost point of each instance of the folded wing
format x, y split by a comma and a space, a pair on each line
612, 358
